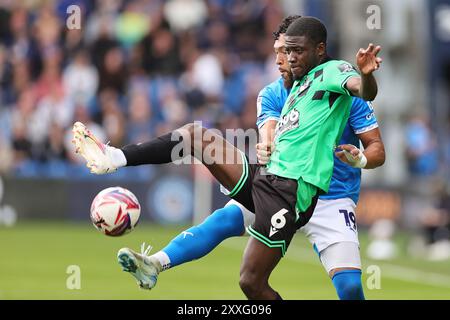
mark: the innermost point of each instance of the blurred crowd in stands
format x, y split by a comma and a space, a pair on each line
134, 70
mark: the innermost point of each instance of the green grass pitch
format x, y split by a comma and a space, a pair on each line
35, 258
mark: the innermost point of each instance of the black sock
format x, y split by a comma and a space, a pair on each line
156, 151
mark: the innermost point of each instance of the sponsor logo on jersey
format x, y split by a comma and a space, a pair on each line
287, 122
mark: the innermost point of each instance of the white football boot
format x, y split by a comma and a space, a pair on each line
97, 155
140, 266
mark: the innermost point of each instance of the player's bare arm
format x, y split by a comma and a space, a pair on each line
368, 62
373, 153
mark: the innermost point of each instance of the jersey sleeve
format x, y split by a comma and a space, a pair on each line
336, 76
362, 117
266, 107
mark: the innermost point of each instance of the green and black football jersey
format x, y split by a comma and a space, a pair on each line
311, 124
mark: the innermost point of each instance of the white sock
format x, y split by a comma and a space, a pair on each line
163, 259
117, 157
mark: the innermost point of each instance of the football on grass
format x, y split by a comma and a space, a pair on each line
115, 211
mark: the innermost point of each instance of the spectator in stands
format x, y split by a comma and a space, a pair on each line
80, 79
142, 124
113, 118
160, 53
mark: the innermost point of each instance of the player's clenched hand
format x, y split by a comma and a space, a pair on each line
263, 152
367, 59
351, 155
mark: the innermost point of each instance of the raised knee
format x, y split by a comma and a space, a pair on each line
192, 128
194, 133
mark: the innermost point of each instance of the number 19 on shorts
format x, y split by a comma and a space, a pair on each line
350, 219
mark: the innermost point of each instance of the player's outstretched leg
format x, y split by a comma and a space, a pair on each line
189, 245
222, 159
200, 240
226, 163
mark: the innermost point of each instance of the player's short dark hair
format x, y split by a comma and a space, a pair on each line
310, 27
282, 27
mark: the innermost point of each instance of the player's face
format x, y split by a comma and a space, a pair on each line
302, 55
282, 61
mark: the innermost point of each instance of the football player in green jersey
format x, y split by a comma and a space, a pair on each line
300, 168
284, 194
